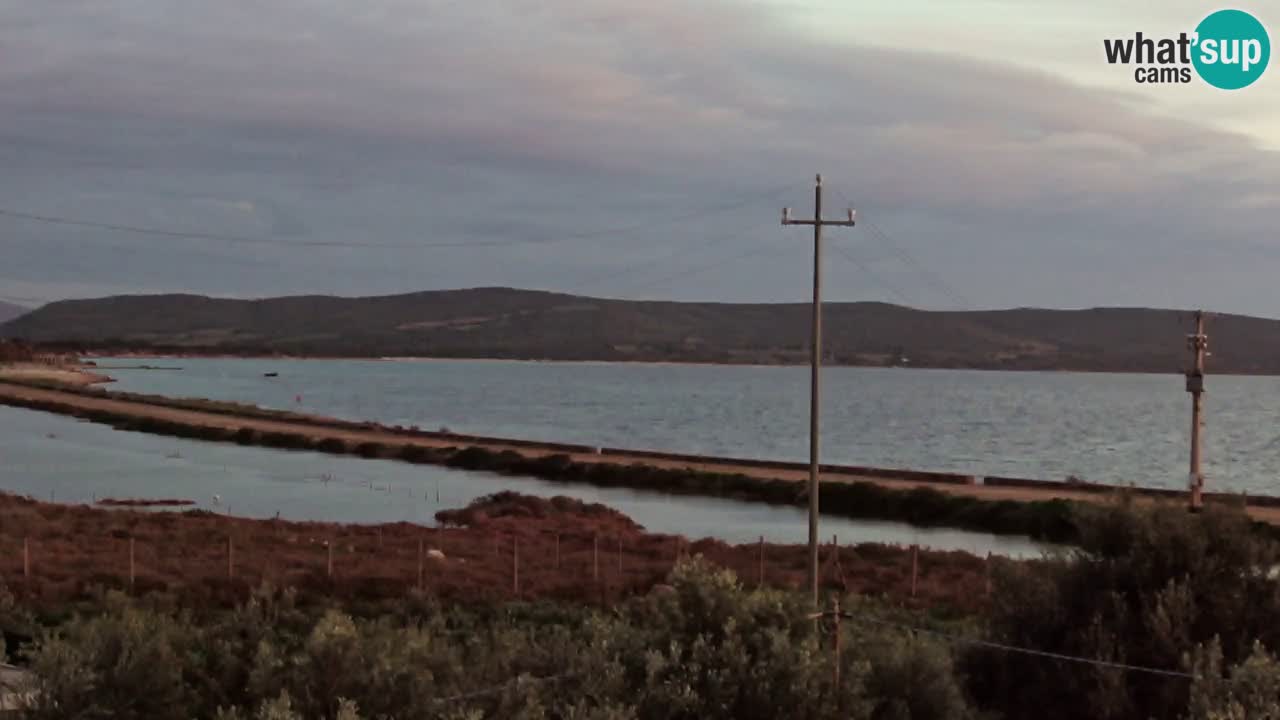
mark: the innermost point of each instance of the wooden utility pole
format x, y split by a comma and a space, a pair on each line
815, 362
1198, 344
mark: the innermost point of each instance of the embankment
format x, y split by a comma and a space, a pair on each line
1045, 511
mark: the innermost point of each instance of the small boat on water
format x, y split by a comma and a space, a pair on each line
270, 374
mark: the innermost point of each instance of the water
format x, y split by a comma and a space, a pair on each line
66, 460
1111, 428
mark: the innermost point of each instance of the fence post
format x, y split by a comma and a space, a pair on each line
988, 573
915, 567
595, 557
419, 563
835, 666
131, 573
761, 575
26, 559
515, 566
329, 565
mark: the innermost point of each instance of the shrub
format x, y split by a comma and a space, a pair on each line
332, 445
707, 649
1146, 586
370, 449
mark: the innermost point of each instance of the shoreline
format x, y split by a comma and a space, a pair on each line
656, 363
80, 375
1010, 506
639, 363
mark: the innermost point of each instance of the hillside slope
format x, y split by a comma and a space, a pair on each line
9, 311
508, 323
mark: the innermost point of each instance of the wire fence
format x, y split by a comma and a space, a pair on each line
60, 551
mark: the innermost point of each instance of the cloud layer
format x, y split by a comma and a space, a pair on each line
392, 122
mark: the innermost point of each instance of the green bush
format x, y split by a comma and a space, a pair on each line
705, 649
1146, 585
1250, 689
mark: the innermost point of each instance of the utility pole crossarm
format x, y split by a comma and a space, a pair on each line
788, 220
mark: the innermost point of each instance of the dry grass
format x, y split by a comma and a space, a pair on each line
76, 550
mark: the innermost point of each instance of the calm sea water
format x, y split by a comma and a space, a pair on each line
1114, 428
65, 460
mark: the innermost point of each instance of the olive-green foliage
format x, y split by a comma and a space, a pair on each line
704, 648
1249, 690
1146, 585
127, 664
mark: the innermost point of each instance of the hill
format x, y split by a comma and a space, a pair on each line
9, 311
508, 323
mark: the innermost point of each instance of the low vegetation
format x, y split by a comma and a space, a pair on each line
567, 551
704, 647
1157, 614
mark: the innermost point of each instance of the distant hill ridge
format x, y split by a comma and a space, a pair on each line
530, 324
9, 311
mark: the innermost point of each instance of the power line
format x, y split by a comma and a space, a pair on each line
502, 687
959, 640
701, 268
57, 220
906, 256
875, 277
251, 240
910, 259
674, 252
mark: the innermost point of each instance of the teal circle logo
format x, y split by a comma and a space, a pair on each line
1231, 49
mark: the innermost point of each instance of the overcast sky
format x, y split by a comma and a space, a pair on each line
631, 149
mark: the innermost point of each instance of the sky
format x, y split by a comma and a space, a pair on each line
631, 149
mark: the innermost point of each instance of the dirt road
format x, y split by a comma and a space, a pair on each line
16, 394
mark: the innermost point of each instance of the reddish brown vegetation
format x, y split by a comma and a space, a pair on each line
144, 502
75, 549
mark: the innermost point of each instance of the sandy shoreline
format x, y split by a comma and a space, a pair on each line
70, 375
